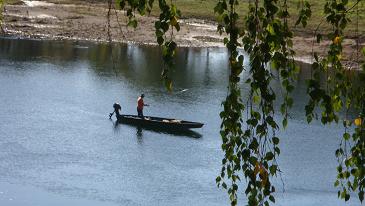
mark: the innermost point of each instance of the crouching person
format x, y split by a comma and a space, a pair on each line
117, 109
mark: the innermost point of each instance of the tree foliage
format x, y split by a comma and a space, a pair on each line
341, 93
249, 126
250, 143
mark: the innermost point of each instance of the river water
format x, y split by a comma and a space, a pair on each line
58, 147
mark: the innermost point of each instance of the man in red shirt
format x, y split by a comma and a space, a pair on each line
140, 105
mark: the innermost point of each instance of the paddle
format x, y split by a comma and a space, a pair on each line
110, 115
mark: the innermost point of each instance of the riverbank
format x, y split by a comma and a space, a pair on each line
88, 21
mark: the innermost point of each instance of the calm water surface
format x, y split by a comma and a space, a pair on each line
57, 146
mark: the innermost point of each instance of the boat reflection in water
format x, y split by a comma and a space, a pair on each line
185, 133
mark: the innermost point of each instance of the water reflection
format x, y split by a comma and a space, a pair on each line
139, 134
76, 151
177, 133
140, 64
140, 67
115, 126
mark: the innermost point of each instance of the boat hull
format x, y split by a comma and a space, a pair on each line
158, 122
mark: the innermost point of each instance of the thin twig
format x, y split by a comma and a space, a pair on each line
110, 35
353, 6
119, 25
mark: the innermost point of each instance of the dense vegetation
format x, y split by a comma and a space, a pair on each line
249, 126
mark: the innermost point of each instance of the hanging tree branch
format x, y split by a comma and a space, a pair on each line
249, 139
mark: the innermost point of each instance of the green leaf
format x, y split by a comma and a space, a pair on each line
157, 25
269, 156
256, 99
343, 194
218, 179
173, 10
164, 26
277, 150
285, 122
347, 197
168, 84
254, 144
361, 196
225, 40
298, 20
177, 27
309, 118
346, 136
275, 140
337, 183
121, 4
160, 40
272, 199
240, 59
273, 169
159, 33
219, 8
117, 4
271, 30
133, 23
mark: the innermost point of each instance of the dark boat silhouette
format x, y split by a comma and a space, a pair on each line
159, 123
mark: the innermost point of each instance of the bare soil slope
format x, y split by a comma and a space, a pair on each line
88, 21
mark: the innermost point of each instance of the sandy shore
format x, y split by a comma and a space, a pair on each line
47, 20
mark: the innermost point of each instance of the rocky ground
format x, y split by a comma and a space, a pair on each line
88, 21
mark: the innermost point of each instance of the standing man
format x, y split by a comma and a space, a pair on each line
140, 105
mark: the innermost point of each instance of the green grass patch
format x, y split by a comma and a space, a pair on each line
204, 9
12, 2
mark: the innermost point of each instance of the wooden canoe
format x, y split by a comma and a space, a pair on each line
158, 122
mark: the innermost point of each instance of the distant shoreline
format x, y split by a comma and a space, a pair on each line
88, 22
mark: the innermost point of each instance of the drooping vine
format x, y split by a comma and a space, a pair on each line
340, 92
249, 127
249, 141
231, 127
167, 21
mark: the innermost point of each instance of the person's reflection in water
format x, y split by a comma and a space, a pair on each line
139, 135
116, 127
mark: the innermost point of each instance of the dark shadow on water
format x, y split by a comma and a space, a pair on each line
181, 133
139, 131
115, 126
139, 135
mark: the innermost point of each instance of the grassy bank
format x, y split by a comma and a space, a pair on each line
12, 2
204, 9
